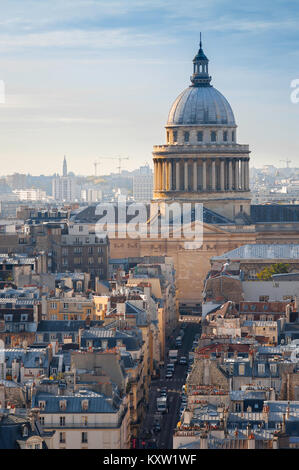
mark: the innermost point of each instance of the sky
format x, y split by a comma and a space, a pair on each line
95, 79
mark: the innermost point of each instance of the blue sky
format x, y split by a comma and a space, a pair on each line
95, 78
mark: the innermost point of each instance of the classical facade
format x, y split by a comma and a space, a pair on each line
202, 160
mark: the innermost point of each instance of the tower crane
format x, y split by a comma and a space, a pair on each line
116, 158
286, 162
96, 163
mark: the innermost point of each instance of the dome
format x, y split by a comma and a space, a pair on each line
201, 105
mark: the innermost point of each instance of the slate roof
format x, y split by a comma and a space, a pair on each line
97, 403
98, 335
260, 251
30, 358
63, 325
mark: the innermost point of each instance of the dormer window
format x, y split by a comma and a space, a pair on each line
62, 404
42, 405
84, 404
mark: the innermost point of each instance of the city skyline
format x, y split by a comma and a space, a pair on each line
93, 79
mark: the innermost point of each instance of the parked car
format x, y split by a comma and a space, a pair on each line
169, 375
183, 360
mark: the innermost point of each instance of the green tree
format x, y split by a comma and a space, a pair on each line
276, 268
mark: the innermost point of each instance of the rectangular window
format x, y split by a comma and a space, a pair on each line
62, 437
273, 368
186, 136
84, 420
84, 437
62, 420
199, 136
213, 136
225, 136
261, 369
175, 136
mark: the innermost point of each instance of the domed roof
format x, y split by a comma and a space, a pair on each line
199, 105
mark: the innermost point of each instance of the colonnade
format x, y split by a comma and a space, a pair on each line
201, 174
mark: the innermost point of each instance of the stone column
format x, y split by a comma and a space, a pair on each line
170, 175
158, 187
230, 175
177, 175
222, 175
242, 175
247, 174
186, 176
195, 183
163, 175
213, 175
204, 174
237, 174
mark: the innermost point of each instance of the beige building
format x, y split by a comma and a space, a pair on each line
84, 420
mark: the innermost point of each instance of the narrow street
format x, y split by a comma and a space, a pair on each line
168, 421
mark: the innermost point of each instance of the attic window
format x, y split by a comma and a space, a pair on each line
62, 404
25, 431
42, 405
84, 404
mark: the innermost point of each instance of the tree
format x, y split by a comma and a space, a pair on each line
276, 268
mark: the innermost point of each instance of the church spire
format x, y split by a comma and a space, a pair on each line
200, 75
64, 167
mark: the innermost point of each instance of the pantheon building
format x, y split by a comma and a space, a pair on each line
202, 160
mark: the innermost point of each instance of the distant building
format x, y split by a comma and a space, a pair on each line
64, 188
31, 194
143, 185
